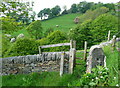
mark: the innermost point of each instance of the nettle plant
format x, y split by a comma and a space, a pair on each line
98, 77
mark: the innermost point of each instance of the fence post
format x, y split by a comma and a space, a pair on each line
71, 60
40, 52
71, 44
108, 35
113, 42
85, 50
62, 63
74, 46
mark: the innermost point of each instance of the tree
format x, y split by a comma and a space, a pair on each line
84, 6
40, 14
81, 33
9, 25
102, 24
35, 29
65, 10
56, 10
74, 8
92, 14
18, 11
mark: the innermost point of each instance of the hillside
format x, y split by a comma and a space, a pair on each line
65, 22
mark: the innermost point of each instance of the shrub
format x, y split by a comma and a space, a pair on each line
23, 46
54, 38
9, 25
98, 77
81, 33
5, 45
35, 29
93, 14
102, 24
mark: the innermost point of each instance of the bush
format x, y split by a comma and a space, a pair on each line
9, 25
98, 77
23, 46
81, 33
35, 29
54, 38
102, 24
5, 45
93, 14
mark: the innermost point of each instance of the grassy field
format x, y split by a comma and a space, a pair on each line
65, 22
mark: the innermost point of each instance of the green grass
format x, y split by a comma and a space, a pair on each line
65, 22
44, 78
14, 34
112, 63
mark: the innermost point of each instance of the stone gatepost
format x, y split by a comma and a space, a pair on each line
96, 57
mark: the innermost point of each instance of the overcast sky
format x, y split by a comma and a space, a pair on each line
41, 4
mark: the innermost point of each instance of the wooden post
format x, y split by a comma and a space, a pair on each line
108, 35
40, 52
62, 63
113, 42
74, 46
71, 60
85, 50
71, 45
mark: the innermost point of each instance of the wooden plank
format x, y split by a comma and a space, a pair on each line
40, 52
108, 35
79, 64
85, 50
67, 52
71, 44
62, 63
71, 60
74, 46
56, 45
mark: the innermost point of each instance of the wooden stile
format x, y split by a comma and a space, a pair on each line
62, 63
85, 50
71, 60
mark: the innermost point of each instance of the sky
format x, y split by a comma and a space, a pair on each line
41, 4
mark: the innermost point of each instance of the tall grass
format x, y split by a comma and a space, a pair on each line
112, 64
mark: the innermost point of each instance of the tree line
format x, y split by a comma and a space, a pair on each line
82, 7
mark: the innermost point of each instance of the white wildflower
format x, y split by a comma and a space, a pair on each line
117, 85
106, 68
96, 77
101, 76
114, 77
92, 79
87, 76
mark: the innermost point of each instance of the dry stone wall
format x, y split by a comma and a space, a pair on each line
32, 63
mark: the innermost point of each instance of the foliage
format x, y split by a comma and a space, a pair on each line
84, 6
17, 10
73, 8
48, 31
99, 77
54, 38
35, 29
81, 33
112, 61
23, 46
5, 44
102, 24
92, 14
9, 25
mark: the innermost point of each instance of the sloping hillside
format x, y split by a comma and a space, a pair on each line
64, 22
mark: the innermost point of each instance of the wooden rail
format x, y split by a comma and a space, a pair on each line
55, 45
